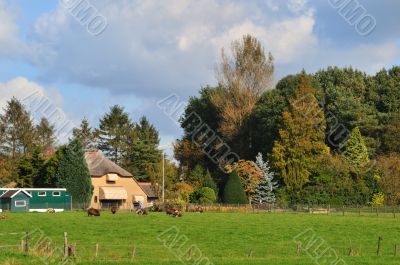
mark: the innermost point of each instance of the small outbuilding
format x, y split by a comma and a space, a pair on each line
15, 201
34, 199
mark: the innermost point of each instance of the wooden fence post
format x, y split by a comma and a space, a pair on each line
133, 253
27, 243
298, 249
250, 253
97, 251
378, 251
65, 244
395, 250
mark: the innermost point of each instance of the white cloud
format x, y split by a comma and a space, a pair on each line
40, 102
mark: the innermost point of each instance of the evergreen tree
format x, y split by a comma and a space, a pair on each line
143, 149
208, 182
265, 190
29, 169
356, 151
302, 138
114, 131
233, 191
86, 135
73, 174
45, 136
17, 131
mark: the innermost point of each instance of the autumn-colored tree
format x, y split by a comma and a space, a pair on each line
356, 152
301, 141
188, 154
389, 172
242, 79
250, 176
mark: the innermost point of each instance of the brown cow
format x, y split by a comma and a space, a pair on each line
174, 212
93, 212
114, 209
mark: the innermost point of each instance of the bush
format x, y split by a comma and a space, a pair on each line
233, 191
203, 195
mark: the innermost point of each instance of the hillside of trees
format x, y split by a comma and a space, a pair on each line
331, 137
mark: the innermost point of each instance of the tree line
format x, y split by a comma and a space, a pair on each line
330, 137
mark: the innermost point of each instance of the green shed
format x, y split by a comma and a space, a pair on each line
15, 201
35, 199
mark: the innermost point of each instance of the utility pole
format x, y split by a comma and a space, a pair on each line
163, 177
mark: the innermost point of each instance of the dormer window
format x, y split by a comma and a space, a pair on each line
112, 177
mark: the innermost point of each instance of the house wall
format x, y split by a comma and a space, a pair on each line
20, 197
62, 202
128, 183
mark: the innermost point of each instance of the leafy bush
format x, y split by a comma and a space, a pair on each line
203, 195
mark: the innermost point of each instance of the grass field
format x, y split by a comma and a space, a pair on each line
224, 238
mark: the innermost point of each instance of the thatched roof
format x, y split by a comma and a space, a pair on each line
99, 165
149, 189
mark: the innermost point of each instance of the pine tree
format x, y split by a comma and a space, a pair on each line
356, 151
45, 136
16, 130
73, 174
86, 135
265, 190
48, 174
208, 182
233, 191
302, 138
114, 131
143, 149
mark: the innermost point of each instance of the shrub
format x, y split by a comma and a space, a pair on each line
233, 191
204, 195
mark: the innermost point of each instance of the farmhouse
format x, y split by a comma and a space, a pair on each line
34, 200
113, 185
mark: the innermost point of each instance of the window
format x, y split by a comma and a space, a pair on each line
20, 203
56, 193
95, 199
41, 193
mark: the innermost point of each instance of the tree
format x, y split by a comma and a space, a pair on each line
233, 191
242, 78
86, 135
16, 131
389, 173
45, 135
29, 169
114, 131
73, 174
301, 141
48, 174
143, 149
265, 190
154, 171
250, 176
208, 182
356, 152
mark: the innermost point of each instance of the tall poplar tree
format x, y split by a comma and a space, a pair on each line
301, 141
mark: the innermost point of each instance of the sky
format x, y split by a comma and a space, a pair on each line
66, 66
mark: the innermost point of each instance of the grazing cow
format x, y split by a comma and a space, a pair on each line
51, 210
93, 212
174, 212
3, 217
114, 209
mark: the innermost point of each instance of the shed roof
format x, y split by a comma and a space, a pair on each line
149, 189
11, 193
99, 165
